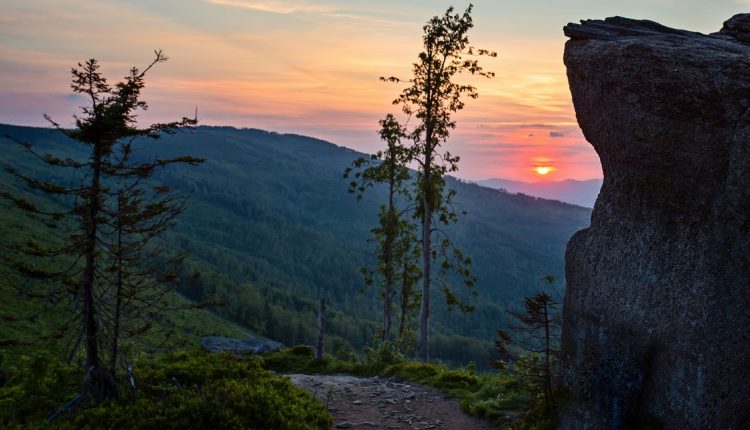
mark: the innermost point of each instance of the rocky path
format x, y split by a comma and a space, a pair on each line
386, 403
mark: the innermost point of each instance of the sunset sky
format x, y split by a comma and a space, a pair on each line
312, 67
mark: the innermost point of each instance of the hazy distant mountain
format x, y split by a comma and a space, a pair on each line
581, 193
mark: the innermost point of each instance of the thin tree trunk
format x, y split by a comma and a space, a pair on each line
385, 334
118, 291
89, 320
101, 383
404, 299
424, 312
390, 237
321, 327
547, 372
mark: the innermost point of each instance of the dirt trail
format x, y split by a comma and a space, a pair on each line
387, 403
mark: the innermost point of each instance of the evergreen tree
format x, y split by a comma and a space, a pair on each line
141, 272
431, 97
90, 216
537, 332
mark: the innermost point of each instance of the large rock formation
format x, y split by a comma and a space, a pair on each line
657, 310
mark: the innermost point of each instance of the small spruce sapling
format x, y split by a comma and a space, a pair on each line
536, 332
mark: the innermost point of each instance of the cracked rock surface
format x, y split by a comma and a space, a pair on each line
657, 310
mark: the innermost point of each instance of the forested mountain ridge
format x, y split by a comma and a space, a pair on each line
272, 228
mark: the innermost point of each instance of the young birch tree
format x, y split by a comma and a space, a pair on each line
431, 98
394, 236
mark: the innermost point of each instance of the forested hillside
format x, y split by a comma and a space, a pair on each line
271, 227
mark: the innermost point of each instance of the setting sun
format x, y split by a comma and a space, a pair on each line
543, 170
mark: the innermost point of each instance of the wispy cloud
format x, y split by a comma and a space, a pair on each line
331, 10
301, 66
278, 6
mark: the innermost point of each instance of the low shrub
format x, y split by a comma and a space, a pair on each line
201, 390
300, 359
35, 385
507, 398
179, 391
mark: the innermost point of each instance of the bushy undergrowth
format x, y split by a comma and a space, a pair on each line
201, 390
180, 391
32, 386
507, 398
300, 359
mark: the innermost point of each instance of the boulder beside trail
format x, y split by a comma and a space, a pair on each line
656, 327
239, 346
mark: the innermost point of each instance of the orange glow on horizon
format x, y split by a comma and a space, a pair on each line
543, 170
308, 68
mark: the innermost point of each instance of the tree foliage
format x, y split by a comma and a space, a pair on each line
109, 212
395, 235
432, 96
141, 271
536, 333
177, 391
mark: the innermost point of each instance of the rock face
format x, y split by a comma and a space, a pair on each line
657, 310
238, 346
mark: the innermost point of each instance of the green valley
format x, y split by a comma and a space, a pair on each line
271, 229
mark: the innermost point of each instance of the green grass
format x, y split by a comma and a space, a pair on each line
504, 398
180, 390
